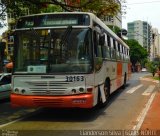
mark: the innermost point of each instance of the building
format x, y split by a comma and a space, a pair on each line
114, 20
141, 32
155, 46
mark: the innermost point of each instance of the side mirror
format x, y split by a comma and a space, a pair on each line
98, 63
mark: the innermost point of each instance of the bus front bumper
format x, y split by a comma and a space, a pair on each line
73, 101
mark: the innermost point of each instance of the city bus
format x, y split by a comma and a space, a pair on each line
66, 60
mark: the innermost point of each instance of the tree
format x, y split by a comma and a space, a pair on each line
115, 29
137, 52
99, 7
152, 67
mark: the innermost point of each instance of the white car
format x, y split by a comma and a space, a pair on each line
144, 70
5, 85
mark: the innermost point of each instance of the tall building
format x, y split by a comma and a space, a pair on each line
155, 46
141, 32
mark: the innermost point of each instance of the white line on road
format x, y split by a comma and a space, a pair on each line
1, 126
142, 115
132, 90
33, 111
149, 90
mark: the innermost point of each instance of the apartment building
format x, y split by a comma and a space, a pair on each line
141, 32
155, 46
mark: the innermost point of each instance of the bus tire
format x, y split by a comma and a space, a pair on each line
107, 92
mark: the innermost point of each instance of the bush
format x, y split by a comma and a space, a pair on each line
152, 68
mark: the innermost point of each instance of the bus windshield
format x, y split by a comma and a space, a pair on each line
60, 50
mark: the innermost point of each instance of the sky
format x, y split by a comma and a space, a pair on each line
144, 10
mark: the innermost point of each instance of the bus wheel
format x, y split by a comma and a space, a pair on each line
107, 94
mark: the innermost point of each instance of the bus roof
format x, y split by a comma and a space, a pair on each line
50, 13
93, 17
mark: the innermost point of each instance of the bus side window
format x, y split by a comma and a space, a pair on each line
112, 49
99, 47
121, 55
98, 51
105, 48
122, 52
109, 46
125, 55
95, 43
118, 52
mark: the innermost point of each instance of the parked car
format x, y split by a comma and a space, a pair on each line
5, 85
143, 69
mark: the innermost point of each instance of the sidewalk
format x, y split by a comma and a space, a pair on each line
152, 118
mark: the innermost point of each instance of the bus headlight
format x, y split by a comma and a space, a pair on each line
16, 90
23, 91
74, 91
81, 90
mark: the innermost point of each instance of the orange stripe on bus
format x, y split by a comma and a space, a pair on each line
73, 101
119, 69
119, 74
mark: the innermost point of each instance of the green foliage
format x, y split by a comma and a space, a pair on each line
115, 29
137, 52
101, 7
152, 67
52, 8
157, 78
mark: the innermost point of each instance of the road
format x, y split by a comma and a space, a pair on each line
122, 113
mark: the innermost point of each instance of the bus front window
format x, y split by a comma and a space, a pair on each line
53, 51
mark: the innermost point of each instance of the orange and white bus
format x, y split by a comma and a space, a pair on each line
69, 59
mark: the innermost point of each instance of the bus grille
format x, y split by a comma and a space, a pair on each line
48, 102
48, 87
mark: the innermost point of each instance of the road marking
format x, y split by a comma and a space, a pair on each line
32, 112
1, 126
143, 114
149, 90
132, 90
